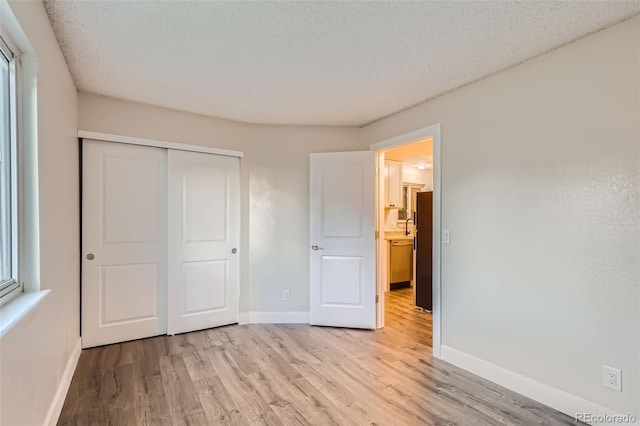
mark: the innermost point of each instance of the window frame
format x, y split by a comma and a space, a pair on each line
13, 286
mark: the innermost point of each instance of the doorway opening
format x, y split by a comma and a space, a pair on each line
408, 230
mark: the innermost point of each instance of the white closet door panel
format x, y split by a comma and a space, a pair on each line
204, 230
124, 242
125, 180
205, 286
205, 204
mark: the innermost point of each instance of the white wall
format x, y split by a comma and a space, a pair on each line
540, 189
411, 174
540, 181
274, 185
34, 353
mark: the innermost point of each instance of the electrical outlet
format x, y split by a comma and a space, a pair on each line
612, 378
285, 295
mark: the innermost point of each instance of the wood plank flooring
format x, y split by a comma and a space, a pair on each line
290, 375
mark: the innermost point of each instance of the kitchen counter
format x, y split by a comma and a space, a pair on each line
397, 236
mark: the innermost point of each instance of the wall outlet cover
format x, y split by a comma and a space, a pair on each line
612, 378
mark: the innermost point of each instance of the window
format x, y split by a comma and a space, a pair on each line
8, 173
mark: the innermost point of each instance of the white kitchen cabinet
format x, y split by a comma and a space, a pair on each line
393, 183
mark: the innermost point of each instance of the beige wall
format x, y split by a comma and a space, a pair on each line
274, 186
412, 175
540, 190
33, 355
540, 174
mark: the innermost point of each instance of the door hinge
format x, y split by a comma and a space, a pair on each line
377, 235
377, 298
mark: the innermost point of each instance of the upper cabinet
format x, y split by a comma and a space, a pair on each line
393, 183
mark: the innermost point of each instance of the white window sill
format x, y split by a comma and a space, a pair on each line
13, 311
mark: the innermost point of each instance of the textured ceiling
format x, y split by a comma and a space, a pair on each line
325, 63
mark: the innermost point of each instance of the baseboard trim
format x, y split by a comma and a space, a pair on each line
557, 399
58, 400
278, 318
243, 318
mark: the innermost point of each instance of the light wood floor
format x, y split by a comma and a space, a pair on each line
291, 374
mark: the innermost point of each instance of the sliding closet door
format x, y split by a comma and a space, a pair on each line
204, 234
123, 242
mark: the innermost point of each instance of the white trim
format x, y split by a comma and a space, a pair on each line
26, 129
437, 246
405, 138
61, 393
278, 317
9, 290
638, 122
433, 132
273, 318
243, 318
557, 399
381, 244
16, 309
15, 165
159, 144
12, 158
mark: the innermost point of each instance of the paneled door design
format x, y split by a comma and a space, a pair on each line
123, 242
204, 234
342, 239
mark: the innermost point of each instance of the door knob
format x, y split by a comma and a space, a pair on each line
234, 250
315, 247
90, 256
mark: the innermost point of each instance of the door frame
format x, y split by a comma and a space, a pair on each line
432, 131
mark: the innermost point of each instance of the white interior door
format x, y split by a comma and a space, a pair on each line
204, 236
342, 231
124, 242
